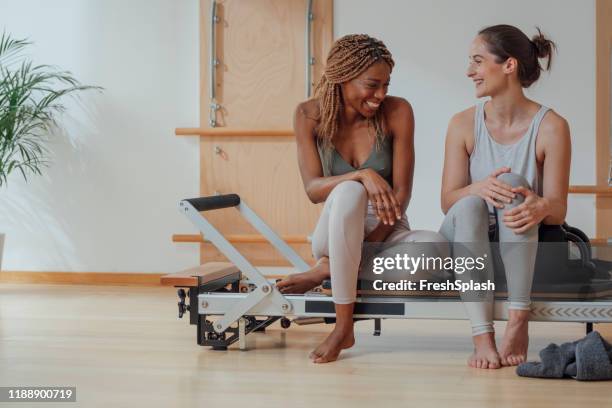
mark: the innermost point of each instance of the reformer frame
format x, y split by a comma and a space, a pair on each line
241, 295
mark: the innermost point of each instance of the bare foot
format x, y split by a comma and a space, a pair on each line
516, 338
485, 352
305, 281
338, 340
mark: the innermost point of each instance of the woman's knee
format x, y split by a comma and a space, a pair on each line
349, 189
425, 236
319, 245
471, 208
513, 179
349, 196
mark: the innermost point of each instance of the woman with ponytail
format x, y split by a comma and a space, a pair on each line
506, 171
355, 153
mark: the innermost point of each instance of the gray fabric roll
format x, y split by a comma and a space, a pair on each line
593, 358
587, 359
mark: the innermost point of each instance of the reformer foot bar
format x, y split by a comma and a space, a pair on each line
242, 300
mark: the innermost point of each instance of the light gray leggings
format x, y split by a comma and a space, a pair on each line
345, 220
467, 222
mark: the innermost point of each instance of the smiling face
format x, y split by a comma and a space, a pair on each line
489, 76
366, 92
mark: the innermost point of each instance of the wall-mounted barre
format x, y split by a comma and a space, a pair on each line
231, 132
241, 239
213, 63
600, 191
309, 58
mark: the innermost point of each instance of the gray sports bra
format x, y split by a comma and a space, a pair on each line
380, 160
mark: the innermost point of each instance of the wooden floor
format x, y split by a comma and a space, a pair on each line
124, 346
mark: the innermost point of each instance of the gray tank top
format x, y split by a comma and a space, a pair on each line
380, 160
488, 155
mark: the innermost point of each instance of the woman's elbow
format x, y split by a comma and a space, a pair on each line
557, 213
313, 196
443, 204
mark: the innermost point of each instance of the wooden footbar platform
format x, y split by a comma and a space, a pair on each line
207, 272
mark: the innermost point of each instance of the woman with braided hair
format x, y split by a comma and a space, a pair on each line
355, 153
506, 171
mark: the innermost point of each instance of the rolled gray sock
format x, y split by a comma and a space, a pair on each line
554, 361
593, 360
589, 358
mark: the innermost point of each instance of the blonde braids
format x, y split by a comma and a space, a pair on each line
348, 58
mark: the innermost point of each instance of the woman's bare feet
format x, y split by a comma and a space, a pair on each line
305, 281
338, 340
342, 337
516, 338
485, 352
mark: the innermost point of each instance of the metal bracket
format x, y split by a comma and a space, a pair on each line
213, 63
252, 299
242, 333
309, 58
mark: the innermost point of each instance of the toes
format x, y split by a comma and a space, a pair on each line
494, 364
514, 360
471, 361
325, 359
283, 283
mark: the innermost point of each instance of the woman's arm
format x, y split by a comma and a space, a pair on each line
400, 121
456, 173
557, 158
555, 142
317, 186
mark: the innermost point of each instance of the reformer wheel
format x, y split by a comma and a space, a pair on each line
285, 323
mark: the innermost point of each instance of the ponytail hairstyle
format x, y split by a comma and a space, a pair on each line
348, 57
505, 41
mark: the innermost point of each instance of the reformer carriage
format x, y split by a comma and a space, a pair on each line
227, 301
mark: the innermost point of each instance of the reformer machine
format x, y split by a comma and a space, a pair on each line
227, 301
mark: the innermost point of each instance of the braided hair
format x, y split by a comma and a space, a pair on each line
348, 57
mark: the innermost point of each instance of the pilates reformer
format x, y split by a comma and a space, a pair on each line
228, 300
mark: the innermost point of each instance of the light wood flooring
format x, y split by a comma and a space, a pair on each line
123, 346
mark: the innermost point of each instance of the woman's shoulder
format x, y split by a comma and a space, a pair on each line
306, 119
396, 105
553, 122
398, 114
461, 124
553, 128
464, 118
309, 109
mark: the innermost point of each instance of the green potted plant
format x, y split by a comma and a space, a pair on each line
30, 102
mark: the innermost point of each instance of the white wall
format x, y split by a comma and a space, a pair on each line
429, 40
108, 202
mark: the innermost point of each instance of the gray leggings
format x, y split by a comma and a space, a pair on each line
467, 222
345, 220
